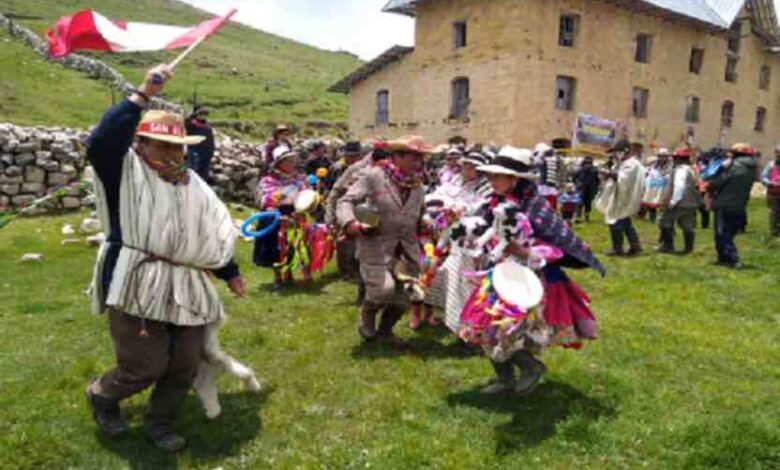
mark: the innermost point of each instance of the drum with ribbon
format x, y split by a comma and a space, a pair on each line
306, 201
499, 307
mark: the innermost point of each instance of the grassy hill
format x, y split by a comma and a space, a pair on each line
250, 79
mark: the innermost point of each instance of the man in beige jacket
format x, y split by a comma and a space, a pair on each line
394, 186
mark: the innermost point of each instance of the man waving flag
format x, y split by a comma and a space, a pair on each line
89, 30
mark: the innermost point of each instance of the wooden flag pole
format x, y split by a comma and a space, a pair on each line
186, 52
157, 80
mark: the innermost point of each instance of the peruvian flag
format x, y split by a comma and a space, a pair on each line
89, 30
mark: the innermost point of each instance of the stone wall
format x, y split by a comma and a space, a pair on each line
36, 161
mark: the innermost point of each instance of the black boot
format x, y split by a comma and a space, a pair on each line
106, 414
667, 241
690, 242
617, 241
531, 372
367, 328
390, 316
504, 380
634, 246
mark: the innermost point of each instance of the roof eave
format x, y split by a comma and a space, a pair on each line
391, 55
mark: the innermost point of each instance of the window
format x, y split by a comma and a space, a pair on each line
643, 44
760, 118
731, 69
564, 92
459, 103
568, 30
382, 107
696, 61
735, 33
692, 109
763, 77
639, 97
459, 34
727, 114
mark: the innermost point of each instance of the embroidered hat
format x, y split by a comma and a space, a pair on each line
166, 127
743, 149
409, 144
682, 153
511, 161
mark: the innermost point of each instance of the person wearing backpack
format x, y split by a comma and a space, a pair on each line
770, 178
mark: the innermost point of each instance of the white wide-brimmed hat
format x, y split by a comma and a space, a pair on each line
454, 152
511, 161
282, 152
664, 151
541, 149
475, 158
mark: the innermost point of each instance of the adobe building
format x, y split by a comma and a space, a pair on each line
520, 71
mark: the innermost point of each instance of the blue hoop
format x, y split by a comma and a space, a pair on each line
273, 216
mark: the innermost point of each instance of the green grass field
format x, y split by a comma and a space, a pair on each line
249, 78
686, 374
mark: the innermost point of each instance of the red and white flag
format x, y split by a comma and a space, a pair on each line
89, 30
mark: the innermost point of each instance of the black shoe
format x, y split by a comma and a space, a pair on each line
106, 414
391, 339
614, 252
165, 439
635, 251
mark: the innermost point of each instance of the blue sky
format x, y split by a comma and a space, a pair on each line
358, 26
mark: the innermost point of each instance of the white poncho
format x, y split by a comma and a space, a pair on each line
622, 197
187, 225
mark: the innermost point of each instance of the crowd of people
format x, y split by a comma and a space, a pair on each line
486, 235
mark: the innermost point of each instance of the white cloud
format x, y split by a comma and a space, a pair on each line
358, 26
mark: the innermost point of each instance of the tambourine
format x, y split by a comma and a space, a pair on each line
306, 200
274, 217
517, 285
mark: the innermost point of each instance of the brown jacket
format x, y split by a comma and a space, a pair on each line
399, 222
340, 188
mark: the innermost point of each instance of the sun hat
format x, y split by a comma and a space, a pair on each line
408, 144
542, 149
511, 161
743, 149
282, 152
279, 129
166, 127
475, 158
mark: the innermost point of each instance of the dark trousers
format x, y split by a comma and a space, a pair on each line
167, 358
705, 216
728, 224
621, 228
345, 258
200, 164
773, 203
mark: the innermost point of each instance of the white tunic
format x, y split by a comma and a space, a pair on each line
187, 225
